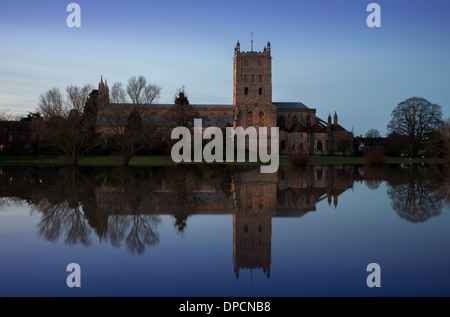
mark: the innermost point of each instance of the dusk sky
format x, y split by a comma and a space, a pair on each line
324, 54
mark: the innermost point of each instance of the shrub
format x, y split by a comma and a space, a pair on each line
374, 156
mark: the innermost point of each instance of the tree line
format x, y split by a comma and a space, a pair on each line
416, 129
70, 121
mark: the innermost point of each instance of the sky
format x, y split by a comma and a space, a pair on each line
323, 52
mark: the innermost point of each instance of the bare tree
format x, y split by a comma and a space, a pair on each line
131, 129
77, 97
6, 115
136, 134
118, 93
65, 126
51, 104
416, 118
141, 92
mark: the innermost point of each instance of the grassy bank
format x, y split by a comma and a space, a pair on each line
156, 160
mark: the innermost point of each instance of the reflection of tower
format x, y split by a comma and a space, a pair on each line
254, 206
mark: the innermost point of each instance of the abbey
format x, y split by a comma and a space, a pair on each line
300, 130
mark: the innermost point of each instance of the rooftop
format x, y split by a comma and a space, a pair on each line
290, 105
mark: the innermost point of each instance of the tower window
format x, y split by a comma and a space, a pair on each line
319, 145
260, 78
245, 78
260, 91
261, 202
259, 62
250, 116
253, 78
246, 91
261, 118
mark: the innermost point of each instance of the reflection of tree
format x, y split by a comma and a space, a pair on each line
142, 232
416, 199
440, 180
127, 220
62, 206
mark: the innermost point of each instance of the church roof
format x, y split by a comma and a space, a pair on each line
290, 105
168, 105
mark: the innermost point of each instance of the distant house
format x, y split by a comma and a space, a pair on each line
363, 144
16, 137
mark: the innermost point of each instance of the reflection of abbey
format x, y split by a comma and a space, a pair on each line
300, 128
119, 203
250, 197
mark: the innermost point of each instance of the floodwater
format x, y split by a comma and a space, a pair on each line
213, 230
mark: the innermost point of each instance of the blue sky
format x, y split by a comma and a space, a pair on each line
324, 54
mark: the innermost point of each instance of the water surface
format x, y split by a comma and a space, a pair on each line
222, 231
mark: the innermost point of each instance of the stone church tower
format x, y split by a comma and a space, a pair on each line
252, 88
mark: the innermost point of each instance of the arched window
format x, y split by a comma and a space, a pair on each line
301, 146
319, 174
319, 145
253, 78
260, 91
249, 202
294, 122
245, 78
261, 202
308, 122
281, 123
261, 118
250, 116
246, 91
260, 78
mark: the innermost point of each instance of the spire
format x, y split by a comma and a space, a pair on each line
252, 41
329, 119
335, 118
